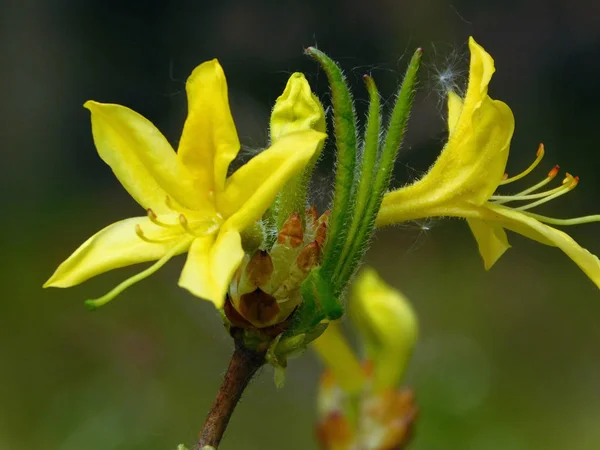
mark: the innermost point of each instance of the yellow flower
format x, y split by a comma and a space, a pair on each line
191, 204
471, 167
360, 406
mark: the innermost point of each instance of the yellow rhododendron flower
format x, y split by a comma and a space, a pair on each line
360, 406
191, 204
471, 167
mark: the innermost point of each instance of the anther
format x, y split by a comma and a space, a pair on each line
184, 224
140, 233
154, 219
540, 151
570, 180
538, 157
554, 171
568, 184
501, 199
142, 236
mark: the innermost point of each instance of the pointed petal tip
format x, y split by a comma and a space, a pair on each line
55, 282
205, 68
473, 44
90, 104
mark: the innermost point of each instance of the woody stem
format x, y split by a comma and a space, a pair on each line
243, 366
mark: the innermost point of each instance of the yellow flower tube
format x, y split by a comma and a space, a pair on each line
471, 167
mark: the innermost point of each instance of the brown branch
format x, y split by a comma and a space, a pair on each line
244, 364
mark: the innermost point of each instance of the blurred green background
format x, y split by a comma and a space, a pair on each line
507, 359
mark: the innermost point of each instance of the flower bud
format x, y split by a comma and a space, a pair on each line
388, 326
266, 287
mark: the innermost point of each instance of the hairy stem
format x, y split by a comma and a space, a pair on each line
242, 367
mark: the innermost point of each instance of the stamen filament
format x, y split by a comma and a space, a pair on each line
564, 222
96, 303
569, 184
551, 175
539, 155
154, 219
142, 236
519, 197
212, 226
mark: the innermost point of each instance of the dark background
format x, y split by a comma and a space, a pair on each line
507, 359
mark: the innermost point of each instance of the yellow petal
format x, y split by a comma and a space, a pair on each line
468, 170
491, 239
140, 156
339, 358
115, 246
297, 109
520, 223
455, 104
387, 324
209, 141
473, 161
481, 69
210, 266
253, 187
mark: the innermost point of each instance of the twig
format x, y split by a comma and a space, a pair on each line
244, 364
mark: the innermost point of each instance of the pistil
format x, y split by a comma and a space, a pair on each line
177, 248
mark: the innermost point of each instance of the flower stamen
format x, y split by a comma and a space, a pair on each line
538, 158
501, 199
155, 220
524, 195
143, 237
569, 183
206, 226
178, 248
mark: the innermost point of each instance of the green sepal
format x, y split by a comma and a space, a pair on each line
344, 128
396, 129
367, 170
389, 152
310, 312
